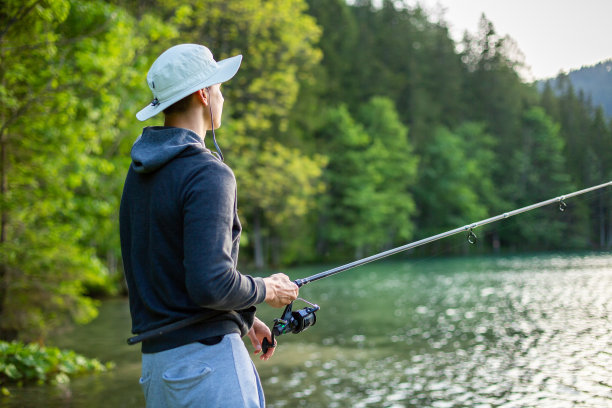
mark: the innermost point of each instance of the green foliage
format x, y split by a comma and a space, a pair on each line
63, 75
492, 85
389, 171
30, 363
539, 172
392, 51
277, 52
451, 176
277, 187
371, 168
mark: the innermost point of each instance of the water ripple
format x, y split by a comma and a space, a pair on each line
517, 332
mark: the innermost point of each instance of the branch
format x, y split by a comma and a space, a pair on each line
64, 41
21, 14
16, 114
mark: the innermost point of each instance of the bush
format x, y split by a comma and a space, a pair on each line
33, 364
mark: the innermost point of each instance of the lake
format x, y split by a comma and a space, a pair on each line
481, 332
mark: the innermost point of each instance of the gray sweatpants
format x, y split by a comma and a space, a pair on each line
196, 375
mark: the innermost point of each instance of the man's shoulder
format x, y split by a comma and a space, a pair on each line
204, 164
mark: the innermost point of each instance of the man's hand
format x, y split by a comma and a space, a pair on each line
258, 332
280, 290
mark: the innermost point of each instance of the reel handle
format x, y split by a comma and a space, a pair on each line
266, 344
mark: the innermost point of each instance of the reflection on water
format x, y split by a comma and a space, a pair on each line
466, 332
485, 332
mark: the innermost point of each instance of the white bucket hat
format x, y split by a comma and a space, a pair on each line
182, 70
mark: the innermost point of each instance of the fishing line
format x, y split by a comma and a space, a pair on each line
218, 153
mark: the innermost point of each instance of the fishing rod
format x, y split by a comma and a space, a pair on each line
469, 228
298, 321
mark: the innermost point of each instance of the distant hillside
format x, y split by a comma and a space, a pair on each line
595, 81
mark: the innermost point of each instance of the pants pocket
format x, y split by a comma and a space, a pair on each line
185, 384
145, 383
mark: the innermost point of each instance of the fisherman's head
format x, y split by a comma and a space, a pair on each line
186, 74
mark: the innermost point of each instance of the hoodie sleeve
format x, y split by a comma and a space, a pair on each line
212, 280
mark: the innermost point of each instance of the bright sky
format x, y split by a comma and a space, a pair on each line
554, 35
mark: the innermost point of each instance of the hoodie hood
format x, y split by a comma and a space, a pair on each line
157, 145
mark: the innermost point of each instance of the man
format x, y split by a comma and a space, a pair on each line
180, 234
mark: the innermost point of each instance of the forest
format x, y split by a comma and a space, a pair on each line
351, 129
594, 81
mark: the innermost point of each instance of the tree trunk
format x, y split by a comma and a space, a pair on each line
258, 242
3, 188
609, 243
275, 249
322, 245
4, 334
495, 241
602, 221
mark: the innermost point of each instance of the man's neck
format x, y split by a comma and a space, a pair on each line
192, 122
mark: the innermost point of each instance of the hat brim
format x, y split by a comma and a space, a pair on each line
226, 69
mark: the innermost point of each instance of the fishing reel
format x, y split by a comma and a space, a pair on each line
292, 322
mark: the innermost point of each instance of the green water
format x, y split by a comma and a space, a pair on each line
477, 332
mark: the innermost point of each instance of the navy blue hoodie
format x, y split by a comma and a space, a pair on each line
179, 240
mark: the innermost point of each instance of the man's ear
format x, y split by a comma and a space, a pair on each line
202, 96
